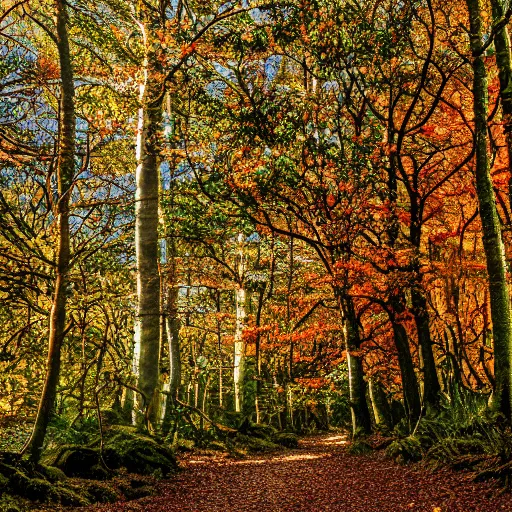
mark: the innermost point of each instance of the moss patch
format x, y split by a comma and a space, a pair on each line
82, 462
286, 439
405, 450
102, 492
138, 453
255, 444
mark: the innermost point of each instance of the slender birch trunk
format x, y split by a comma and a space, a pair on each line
239, 348
361, 422
491, 229
65, 177
172, 333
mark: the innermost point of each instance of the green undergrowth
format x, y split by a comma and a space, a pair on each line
248, 438
79, 475
462, 434
80, 467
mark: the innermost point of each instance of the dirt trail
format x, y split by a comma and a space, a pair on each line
319, 477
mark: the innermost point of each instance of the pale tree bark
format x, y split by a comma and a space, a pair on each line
491, 228
147, 322
361, 422
65, 177
239, 345
172, 333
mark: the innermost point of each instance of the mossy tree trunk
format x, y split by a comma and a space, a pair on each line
491, 229
380, 405
431, 386
504, 63
65, 178
409, 380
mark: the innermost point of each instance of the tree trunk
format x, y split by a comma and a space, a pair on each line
239, 349
172, 332
504, 64
381, 410
65, 177
409, 380
491, 229
257, 399
147, 324
431, 386
361, 421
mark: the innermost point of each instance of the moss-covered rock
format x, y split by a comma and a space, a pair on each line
81, 462
9, 503
38, 489
405, 450
111, 417
136, 489
359, 447
451, 449
185, 445
218, 446
286, 439
138, 453
255, 444
257, 430
53, 474
4, 482
102, 492
68, 497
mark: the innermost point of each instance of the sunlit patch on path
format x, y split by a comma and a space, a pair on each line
321, 476
336, 440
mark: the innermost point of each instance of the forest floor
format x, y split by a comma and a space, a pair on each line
320, 476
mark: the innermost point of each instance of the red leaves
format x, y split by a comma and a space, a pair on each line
187, 49
319, 476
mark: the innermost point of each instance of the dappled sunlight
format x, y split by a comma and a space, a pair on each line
252, 461
335, 440
288, 458
302, 456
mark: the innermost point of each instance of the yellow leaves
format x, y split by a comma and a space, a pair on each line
187, 49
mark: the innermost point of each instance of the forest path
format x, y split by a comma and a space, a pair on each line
319, 477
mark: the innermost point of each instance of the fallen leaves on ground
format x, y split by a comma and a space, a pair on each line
319, 477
